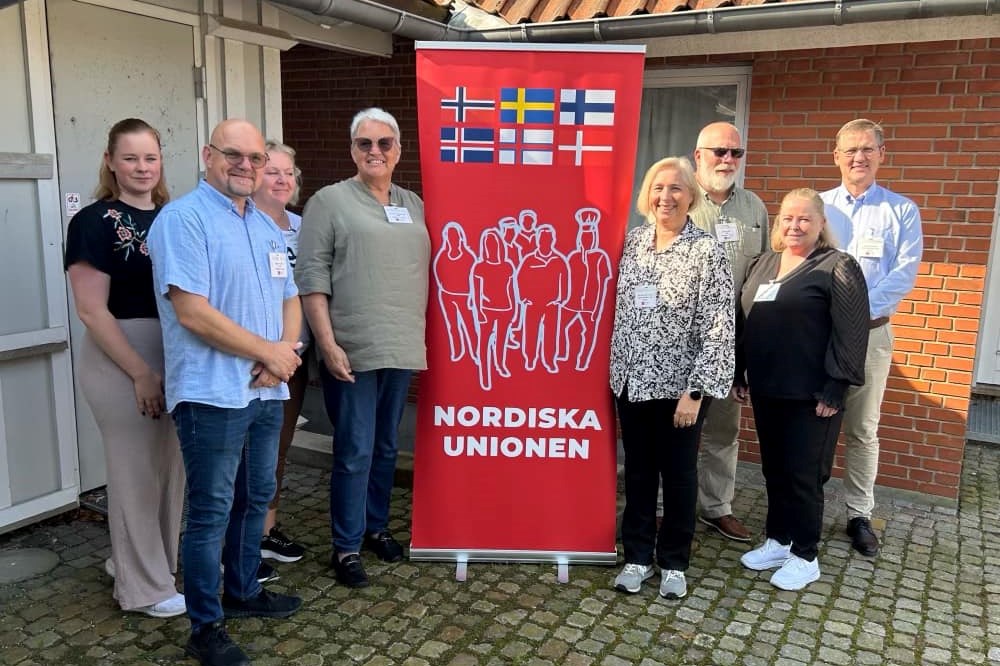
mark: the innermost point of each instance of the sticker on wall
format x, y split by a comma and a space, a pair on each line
73, 201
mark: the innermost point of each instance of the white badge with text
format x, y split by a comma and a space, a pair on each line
767, 292
645, 296
726, 232
279, 264
871, 248
397, 215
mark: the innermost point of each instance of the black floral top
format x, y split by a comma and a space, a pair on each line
111, 237
685, 341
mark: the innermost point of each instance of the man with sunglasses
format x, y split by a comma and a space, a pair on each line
230, 315
882, 230
737, 219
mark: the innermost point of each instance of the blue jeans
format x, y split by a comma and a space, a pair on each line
365, 417
229, 457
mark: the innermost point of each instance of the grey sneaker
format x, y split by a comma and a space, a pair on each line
631, 577
673, 585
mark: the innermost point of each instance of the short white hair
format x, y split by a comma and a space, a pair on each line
377, 115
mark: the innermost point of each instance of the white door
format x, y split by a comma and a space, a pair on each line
988, 349
108, 64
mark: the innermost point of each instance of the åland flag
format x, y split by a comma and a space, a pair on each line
527, 154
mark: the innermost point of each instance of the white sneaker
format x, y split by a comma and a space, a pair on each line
796, 573
109, 567
769, 555
167, 608
631, 577
673, 584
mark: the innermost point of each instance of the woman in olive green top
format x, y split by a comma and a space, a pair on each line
362, 270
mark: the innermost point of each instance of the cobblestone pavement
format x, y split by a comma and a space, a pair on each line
931, 597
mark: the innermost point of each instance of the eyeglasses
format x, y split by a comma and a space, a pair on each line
235, 157
866, 151
737, 153
385, 144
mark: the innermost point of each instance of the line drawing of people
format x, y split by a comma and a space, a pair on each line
509, 232
589, 275
526, 238
543, 284
493, 302
452, 268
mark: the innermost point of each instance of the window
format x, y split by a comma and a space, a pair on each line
676, 104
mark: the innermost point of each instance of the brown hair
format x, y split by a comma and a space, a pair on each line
107, 185
825, 239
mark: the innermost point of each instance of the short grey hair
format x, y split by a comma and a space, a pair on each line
862, 125
377, 115
272, 146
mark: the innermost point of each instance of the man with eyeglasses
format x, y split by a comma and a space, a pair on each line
737, 219
881, 229
230, 315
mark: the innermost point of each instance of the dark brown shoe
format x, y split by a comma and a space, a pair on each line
863, 537
728, 526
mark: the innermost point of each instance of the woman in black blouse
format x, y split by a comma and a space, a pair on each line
671, 353
802, 339
120, 369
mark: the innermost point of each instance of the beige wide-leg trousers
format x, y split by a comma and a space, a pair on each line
145, 470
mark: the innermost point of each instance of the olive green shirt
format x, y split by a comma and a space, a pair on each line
374, 271
747, 211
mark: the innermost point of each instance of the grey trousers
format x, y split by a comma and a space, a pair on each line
717, 458
145, 470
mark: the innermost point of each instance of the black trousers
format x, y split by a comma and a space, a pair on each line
796, 453
655, 450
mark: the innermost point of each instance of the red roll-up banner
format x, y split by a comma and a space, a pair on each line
527, 154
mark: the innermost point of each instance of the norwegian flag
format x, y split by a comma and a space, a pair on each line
467, 144
476, 102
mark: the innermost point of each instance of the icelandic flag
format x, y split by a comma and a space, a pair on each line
527, 105
467, 101
586, 107
534, 148
467, 144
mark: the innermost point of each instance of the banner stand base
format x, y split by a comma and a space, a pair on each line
562, 559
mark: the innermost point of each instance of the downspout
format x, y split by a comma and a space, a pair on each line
806, 14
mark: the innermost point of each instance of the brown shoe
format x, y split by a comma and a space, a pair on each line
728, 526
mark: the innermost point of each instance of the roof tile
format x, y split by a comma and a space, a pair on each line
545, 11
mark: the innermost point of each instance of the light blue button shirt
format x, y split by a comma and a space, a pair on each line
202, 245
879, 213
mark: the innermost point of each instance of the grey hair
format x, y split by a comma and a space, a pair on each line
272, 146
377, 115
862, 125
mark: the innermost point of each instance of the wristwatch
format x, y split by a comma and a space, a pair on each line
695, 394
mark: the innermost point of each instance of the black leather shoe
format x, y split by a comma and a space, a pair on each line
265, 604
863, 538
349, 571
384, 546
212, 646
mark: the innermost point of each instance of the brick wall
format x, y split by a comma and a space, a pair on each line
940, 104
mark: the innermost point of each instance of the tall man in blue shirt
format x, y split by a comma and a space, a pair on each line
230, 315
881, 229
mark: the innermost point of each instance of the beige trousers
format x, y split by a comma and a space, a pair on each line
717, 458
862, 411
145, 470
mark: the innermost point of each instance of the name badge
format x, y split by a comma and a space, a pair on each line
397, 215
726, 232
767, 292
871, 248
279, 264
645, 296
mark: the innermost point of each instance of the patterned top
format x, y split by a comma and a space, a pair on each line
685, 341
111, 237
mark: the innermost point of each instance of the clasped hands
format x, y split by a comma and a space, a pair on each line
281, 361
